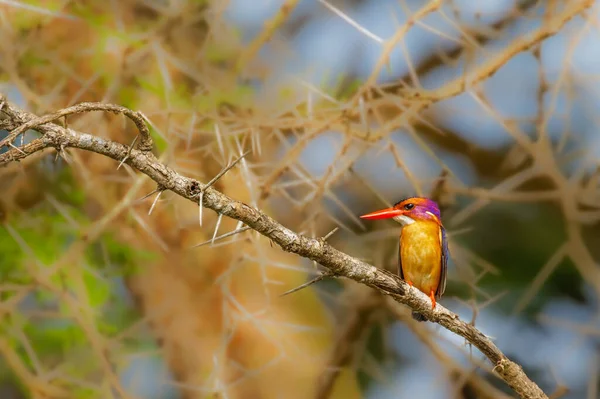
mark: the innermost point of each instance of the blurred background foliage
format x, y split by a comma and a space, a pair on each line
346, 106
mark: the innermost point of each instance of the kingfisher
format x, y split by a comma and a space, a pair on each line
423, 254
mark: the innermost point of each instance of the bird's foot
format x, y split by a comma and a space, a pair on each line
432, 296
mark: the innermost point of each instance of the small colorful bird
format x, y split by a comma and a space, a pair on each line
423, 253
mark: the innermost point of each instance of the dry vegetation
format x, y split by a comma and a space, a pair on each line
101, 265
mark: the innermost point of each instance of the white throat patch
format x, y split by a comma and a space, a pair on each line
404, 220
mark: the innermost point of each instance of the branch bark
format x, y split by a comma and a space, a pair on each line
339, 263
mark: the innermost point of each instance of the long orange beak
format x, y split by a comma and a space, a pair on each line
383, 214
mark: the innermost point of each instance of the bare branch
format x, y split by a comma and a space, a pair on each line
136, 117
553, 25
338, 263
265, 35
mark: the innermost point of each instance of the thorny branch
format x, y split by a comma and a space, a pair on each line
415, 100
337, 262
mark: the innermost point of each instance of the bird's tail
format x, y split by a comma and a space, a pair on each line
418, 316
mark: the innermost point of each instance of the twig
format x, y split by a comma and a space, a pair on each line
523, 43
338, 263
265, 35
328, 235
443, 58
352, 22
225, 170
399, 35
308, 283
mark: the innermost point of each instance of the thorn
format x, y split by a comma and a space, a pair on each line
17, 148
123, 161
225, 170
217, 228
231, 233
219, 140
213, 181
201, 207
149, 194
332, 232
128, 151
64, 155
308, 283
155, 201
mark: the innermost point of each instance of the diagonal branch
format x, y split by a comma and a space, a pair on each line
338, 263
439, 59
493, 64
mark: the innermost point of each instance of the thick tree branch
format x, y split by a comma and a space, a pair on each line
339, 263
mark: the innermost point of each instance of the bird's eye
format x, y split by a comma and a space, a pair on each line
408, 207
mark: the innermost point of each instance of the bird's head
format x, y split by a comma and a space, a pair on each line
408, 211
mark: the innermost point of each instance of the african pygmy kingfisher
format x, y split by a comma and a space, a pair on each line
423, 253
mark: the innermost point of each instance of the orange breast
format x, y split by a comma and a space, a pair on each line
421, 255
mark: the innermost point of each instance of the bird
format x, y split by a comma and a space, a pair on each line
423, 250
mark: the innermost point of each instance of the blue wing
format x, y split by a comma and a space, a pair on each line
445, 254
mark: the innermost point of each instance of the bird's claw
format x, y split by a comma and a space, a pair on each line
433, 302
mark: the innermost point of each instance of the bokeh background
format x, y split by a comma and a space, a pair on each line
490, 107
